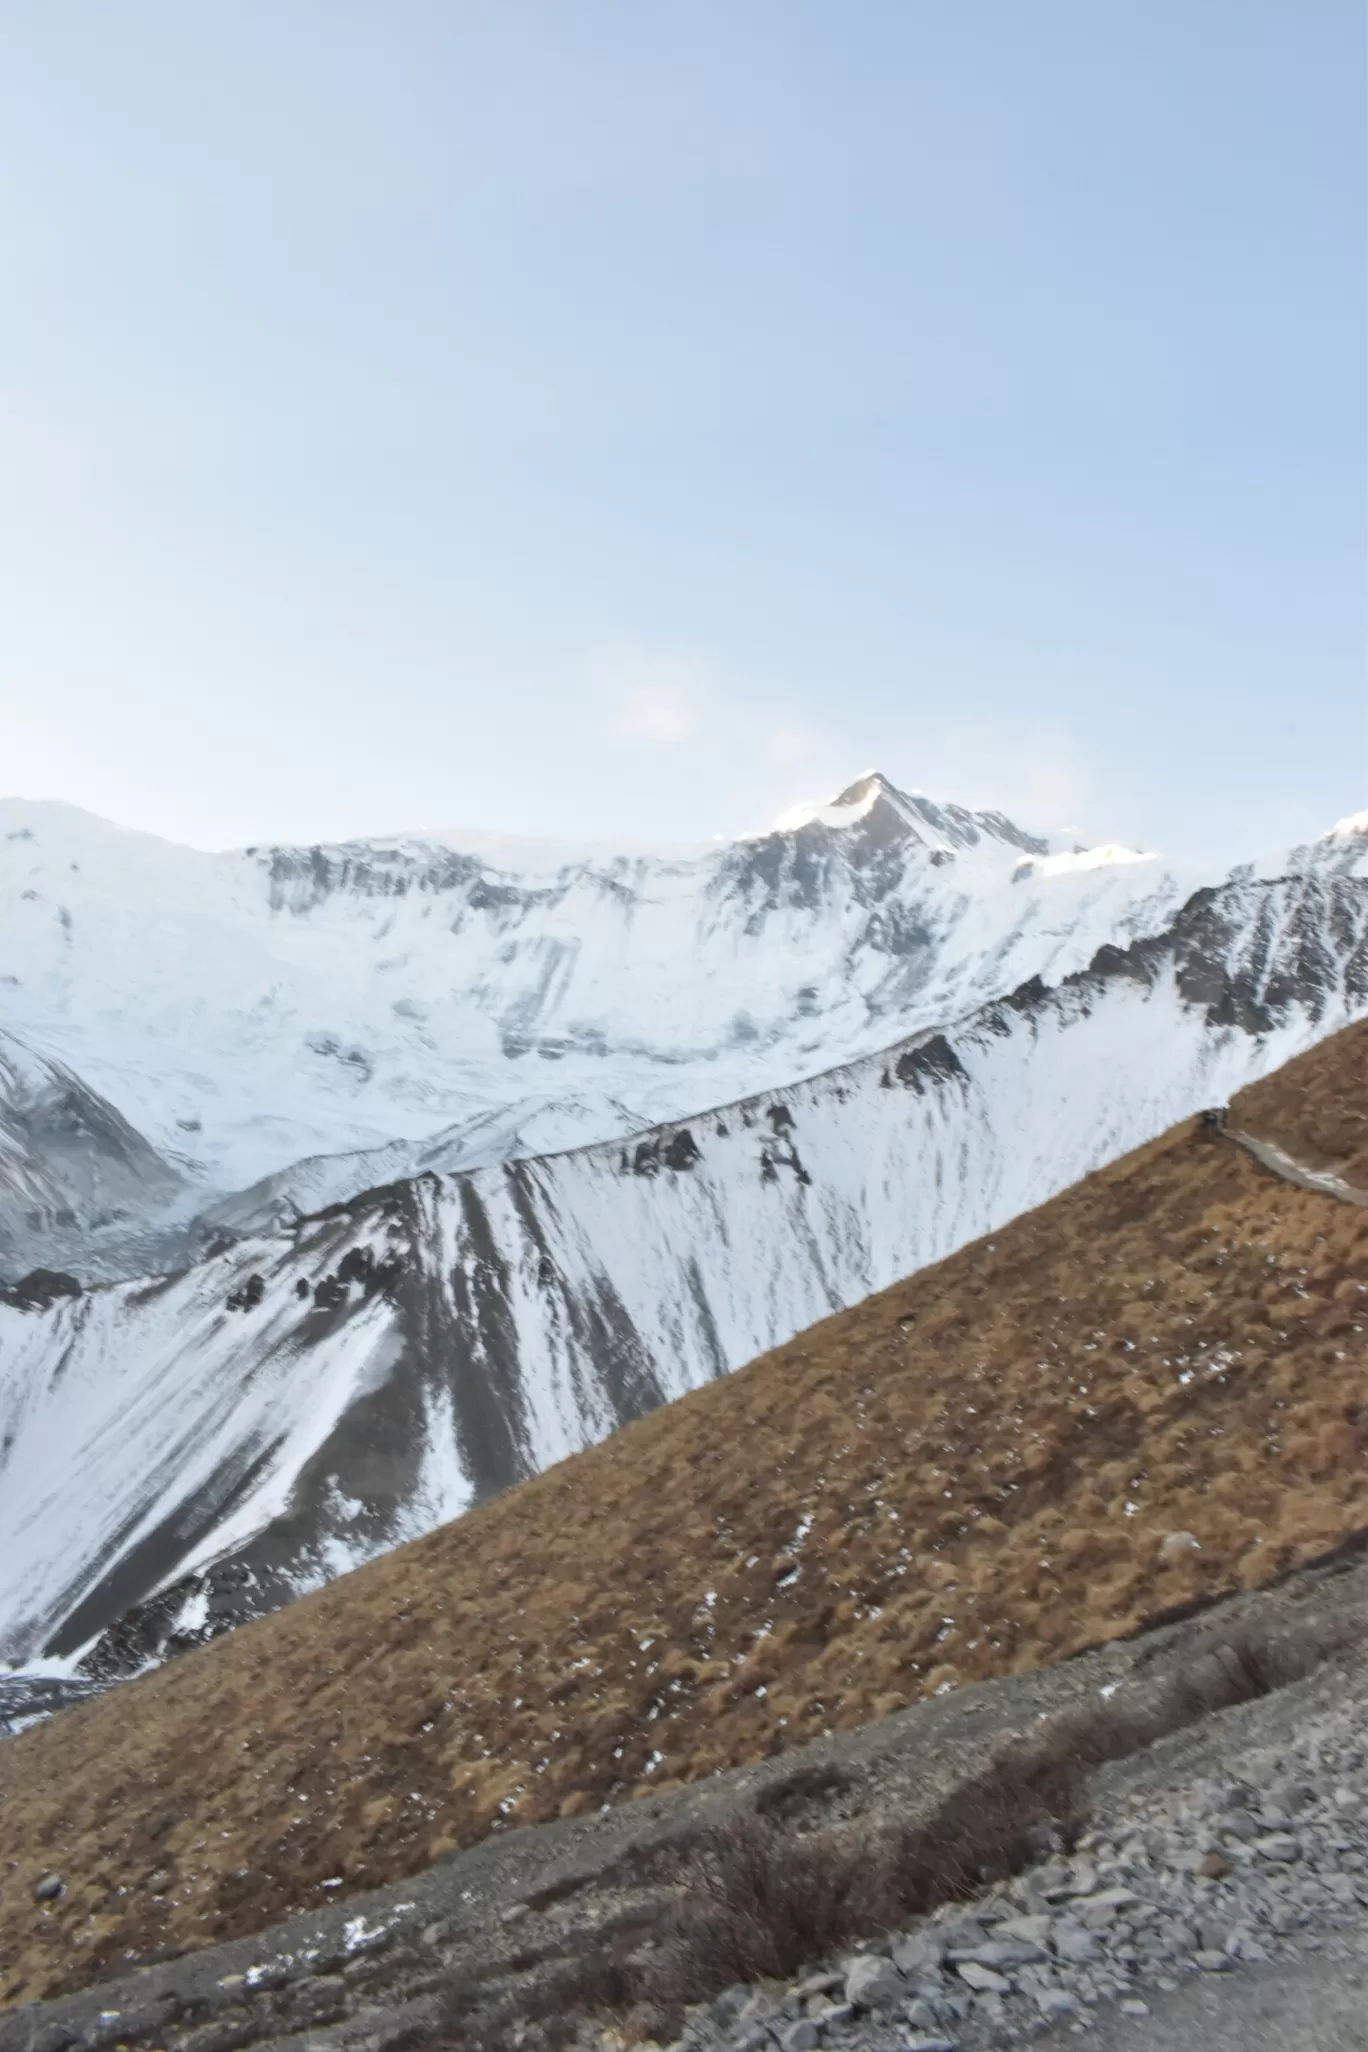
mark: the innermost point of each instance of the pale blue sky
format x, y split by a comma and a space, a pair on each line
631, 418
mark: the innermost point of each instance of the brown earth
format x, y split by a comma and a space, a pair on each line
970, 1473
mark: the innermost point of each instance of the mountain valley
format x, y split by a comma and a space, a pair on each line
183, 1452
1143, 1393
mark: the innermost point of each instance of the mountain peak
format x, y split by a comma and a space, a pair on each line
869, 785
875, 802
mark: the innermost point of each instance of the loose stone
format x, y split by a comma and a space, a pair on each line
982, 1979
873, 1983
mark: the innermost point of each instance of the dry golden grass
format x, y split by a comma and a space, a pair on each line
969, 1473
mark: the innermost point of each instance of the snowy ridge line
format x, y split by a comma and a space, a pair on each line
179, 1454
278, 1027
269, 1201
259, 1017
1151, 947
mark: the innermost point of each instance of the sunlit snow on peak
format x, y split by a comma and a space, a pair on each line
1071, 860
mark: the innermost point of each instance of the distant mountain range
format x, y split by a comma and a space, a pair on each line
935, 1021
251, 1034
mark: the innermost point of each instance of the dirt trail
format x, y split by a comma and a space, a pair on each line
1296, 1172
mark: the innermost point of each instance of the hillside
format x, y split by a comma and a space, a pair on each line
973, 1472
365, 1376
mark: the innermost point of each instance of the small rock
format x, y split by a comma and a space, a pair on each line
1214, 1867
1055, 2001
1030, 1930
1212, 1962
1108, 1898
1133, 2006
1177, 1546
49, 1888
1002, 1952
1074, 1944
802, 2036
982, 1979
1279, 1846
514, 1913
923, 2014
725, 2008
1097, 1911
873, 1983
159, 1881
960, 1933
930, 2045
918, 1951
817, 1984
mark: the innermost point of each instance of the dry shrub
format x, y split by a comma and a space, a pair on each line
759, 1902
1028, 1800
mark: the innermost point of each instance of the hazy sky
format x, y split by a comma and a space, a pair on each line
631, 418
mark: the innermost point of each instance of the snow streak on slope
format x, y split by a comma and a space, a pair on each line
246, 1430
250, 1011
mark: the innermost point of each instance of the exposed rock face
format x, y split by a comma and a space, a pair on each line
74, 1174
393, 1359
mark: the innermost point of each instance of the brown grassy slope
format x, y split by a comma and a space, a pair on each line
969, 1473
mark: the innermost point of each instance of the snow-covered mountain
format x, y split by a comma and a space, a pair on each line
74, 1175
1343, 851
294, 1023
181, 1453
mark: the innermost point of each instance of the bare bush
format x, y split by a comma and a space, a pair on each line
758, 1901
